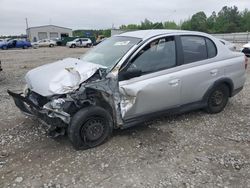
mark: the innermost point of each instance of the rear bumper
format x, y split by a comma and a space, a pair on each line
28, 108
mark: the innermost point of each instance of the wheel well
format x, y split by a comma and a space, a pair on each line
230, 87
228, 82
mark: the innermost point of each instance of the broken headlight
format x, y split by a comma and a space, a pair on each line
57, 103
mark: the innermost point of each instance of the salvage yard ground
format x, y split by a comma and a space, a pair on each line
190, 150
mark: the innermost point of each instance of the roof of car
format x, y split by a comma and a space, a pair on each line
145, 34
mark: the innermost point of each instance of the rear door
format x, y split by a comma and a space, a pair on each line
199, 67
158, 87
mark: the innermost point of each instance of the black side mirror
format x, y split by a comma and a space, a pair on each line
130, 73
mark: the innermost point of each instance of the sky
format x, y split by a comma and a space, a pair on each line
101, 14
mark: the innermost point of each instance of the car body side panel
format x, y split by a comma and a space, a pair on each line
197, 79
149, 93
235, 70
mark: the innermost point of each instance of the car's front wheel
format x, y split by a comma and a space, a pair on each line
73, 45
217, 99
51, 45
90, 127
4, 47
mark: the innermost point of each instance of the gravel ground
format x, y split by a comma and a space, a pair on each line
190, 150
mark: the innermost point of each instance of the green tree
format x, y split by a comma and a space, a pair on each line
146, 24
186, 25
170, 25
228, 20
245, 22
211, 21
199, 22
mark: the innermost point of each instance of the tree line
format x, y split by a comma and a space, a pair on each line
227, 20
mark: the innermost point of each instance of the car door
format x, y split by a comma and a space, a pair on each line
199, 67
78, 42
84, 42
157, 87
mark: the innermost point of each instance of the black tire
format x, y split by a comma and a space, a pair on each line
4, 47
90, 127
73, 45
217, 99
51, 45
25, 47
88, 45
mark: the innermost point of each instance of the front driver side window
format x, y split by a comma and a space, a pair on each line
158, 55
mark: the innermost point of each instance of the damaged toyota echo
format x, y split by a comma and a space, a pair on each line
128, 79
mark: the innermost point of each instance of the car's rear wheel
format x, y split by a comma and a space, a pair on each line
25, 47
51, 45
217, 99
88, 45
90, 127
4, 47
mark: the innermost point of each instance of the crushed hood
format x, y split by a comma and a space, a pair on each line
61, 77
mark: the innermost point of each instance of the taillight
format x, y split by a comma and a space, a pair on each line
246, 60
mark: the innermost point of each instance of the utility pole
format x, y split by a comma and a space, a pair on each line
27, 25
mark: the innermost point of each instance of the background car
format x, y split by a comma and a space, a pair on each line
15, 43
246, 49
80, 42
230, 45
44, 43
3, 45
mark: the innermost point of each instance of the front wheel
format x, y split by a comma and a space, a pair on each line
217, 99
4, 47
90, 127
51, 45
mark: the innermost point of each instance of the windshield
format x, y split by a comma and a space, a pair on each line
110, 51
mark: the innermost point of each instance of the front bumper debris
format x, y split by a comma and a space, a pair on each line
49, 116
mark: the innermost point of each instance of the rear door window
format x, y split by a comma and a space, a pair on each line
197, 48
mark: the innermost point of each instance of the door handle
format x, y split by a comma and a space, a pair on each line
174, 82
214, 72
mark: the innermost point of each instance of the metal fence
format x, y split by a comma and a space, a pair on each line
234, 37
231, 37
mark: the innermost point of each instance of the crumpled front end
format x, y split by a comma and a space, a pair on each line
57, 110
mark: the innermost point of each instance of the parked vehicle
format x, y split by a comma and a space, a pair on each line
44, 43
3, 45
16, 43
230, 45
130, 78
246, 49
80, 42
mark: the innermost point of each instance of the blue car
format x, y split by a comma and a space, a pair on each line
15, 44
3, 45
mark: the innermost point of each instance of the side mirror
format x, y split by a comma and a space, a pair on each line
130, 73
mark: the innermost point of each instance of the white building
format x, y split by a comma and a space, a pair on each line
48, 32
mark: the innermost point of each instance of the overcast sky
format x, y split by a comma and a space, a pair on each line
101, 14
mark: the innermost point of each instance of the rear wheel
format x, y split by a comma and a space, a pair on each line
90, 127
51, 45
4, 48
88, 45
25, 47
217, 99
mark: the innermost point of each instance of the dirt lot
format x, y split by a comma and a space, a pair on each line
190, 150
